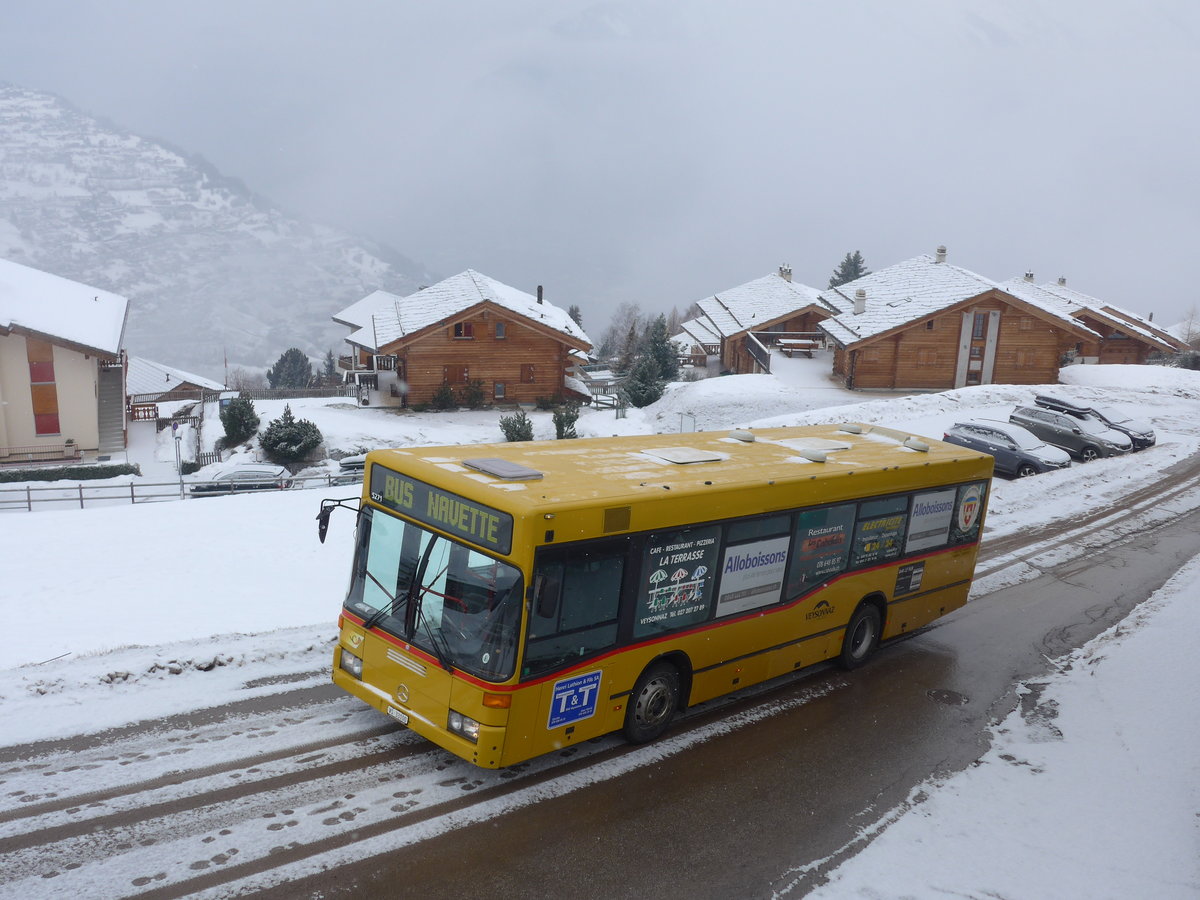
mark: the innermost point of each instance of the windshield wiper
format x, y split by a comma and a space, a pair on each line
435, 638
373, 619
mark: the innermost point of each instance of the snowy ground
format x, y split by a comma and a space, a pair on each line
168, 607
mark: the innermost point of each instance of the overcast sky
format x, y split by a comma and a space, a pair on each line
659, 151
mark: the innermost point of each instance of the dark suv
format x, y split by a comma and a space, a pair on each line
1017, 451
1085, 439
1139, 432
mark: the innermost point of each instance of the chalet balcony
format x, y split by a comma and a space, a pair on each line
348, 364
370, 364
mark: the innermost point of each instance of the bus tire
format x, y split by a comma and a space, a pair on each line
862, 636
652, 703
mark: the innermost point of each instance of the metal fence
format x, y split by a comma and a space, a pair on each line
82, 495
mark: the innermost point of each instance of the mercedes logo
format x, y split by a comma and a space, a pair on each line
402, 693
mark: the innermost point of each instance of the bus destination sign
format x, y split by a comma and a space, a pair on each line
480, 525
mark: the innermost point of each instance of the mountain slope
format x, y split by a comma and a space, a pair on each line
210, 269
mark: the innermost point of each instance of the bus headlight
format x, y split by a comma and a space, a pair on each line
463, 726
352, 664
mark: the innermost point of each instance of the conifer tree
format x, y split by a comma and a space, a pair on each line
576, 314
291, 370
239, 420
851, 267
287, 438
643, 386
659, 349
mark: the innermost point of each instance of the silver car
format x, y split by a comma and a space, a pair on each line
1085, 439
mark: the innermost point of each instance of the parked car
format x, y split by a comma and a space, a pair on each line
350, 470
245, 477
1084, 439
1139, 431
1017, 451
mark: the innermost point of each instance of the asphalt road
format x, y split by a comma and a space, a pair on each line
771, 805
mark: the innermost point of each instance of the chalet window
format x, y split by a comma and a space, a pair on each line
527, 373
385, 363
1022, 359
976, 353
1118, 336
42, 386
455, 374
929, 325
498, 390
464, 330
927, 356
1027, 323
500, 335
979, 326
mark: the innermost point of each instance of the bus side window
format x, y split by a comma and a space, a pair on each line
575, 606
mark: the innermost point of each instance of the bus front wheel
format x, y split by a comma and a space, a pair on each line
862, 634
652, 703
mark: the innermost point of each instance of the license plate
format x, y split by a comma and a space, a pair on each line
398, 716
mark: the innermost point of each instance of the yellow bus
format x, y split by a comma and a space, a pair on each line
507, 600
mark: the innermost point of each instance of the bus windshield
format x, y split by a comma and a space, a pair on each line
458, 604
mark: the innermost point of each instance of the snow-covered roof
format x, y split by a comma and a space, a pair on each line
1129, 322
381, 318
358, 314
148, 377
757, 303
57, 307
698, 331
911, 290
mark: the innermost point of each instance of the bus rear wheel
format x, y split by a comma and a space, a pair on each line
862, 634
652, 703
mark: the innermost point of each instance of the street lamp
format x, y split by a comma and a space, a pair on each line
178, 461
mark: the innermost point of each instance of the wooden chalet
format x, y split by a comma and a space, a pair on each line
924, 324
770, 311
466, 330
1124, 337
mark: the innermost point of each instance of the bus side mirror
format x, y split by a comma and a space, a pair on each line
545, 596
323, 521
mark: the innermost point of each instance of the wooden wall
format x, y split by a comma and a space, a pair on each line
925, 356
488, 358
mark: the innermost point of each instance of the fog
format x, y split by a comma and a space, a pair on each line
658, 152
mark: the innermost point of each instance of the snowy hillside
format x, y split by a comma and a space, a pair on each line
207, 266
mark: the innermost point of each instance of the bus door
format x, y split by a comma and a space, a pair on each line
573, 616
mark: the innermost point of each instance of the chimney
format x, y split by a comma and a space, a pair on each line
785, 272
860, 301
1029, 277
539, 293
941, 254
1062, 280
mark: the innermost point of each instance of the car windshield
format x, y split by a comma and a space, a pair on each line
458, 604
1114, 415
1024, 439
1092, 426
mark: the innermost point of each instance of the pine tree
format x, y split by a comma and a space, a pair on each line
239, 420
291, 370
658, 348
329, 369
565, 418
288, 439
643, 386
628, 353
517, 427
851, 267
576, 314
